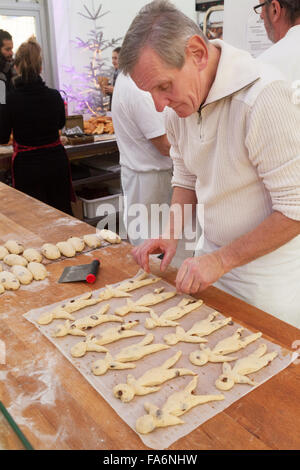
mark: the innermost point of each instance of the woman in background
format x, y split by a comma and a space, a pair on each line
35, 114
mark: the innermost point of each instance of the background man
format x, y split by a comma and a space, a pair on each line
109, 89
6, 58
235, 144
282, 23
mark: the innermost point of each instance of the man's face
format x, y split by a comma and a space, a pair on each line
7, 50
179, 89
265, 16
115, 60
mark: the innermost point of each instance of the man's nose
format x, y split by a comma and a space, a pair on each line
160, 103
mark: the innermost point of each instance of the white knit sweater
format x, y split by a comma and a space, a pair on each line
242, 154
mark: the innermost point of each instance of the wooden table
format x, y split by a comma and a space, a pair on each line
57, 409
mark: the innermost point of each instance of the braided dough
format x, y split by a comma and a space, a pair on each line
176, 405
125, 356
64, 311
77, 327
247, 365
150, 381
201, 328
106, 337
226, 346
141, 304
167, 318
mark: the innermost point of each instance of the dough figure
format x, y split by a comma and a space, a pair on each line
148, 383
108, 336
33, 255
14, 247
23, 275
38, 271
131, 353
77, 243
15, 260
64, 311
138, 282
66, 249
109, 236
176, 405
9, 281
247, 365
184, 307
3, 252
50, 251
141, 304
86, 323
199, 329
112, 293
218, 353
92, 241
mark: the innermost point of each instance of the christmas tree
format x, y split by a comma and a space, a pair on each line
84, 90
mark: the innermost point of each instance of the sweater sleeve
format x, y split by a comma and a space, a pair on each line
181, 176
5, 124
273, 142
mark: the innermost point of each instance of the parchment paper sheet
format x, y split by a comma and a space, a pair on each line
160, 438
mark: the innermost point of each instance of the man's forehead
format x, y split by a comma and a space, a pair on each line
7, 43
150, 70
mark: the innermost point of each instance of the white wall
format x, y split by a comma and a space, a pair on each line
68, 25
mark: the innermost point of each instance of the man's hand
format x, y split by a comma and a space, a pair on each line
196, 274
108, 89
141, 253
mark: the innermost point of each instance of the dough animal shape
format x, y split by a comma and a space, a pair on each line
51, 251
176, 405
86, 323
64, 311
142, 304
138, 282
3, 252
67, 328
131, 353
23, 274
226, 346
244, 366
106, 337
109, 236
201, 328
92, 241
77, 243
15, 260
184, 307
32, 255
38, 271
9, 281
14, 247
112, 293
66, 249
150, 381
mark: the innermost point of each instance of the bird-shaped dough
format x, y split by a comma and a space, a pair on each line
167, 318
142, 304
225, 346
176, 405
64, 311
150, 381
85, 323
247, 365
131, 353
138, 282
201, 328
108, 336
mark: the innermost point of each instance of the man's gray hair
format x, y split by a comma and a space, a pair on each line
292, 9
161, 26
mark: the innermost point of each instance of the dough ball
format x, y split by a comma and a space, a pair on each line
9, 281
66, 249
3, 252
50, 251
92, 241
32, 255
1, 269
38, 271
14, 247
109, 236
24, 276
15, 260
2, 290
77, 243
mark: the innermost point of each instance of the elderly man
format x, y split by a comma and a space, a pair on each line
6, 58
282, 23
235, 144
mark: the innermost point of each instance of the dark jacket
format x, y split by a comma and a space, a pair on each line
34, 113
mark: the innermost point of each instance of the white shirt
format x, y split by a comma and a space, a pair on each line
136, 121
285, 54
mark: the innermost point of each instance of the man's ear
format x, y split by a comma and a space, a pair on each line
197, 50
275, 11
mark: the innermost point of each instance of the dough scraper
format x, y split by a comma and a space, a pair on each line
84, 272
